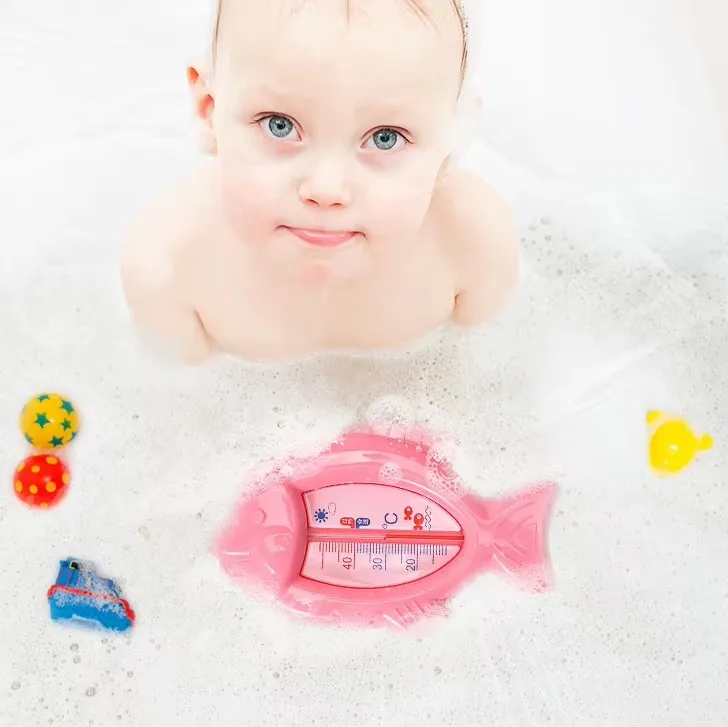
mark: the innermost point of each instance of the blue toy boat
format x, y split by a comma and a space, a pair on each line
81, 595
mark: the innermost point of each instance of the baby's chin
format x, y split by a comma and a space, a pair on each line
318, 266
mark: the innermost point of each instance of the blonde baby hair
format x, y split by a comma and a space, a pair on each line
417, 5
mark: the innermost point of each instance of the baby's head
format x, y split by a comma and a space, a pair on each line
331, 115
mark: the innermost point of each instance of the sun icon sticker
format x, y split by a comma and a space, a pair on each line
321, 516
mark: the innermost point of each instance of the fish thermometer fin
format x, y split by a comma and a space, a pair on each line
513, 536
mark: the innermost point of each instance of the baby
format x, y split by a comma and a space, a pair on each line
330, 214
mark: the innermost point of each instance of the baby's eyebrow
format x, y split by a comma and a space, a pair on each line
279, 95
276, 97
267, 91
419, 9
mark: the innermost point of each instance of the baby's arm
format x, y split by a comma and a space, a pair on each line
151, 282
487, 249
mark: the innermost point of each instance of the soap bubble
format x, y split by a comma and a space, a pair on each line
442, 467
274, 471
390, 416
390, 473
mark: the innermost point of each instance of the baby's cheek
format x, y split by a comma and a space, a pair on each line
251, 197
400, 205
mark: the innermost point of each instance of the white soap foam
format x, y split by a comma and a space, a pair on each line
390, 473
391, 416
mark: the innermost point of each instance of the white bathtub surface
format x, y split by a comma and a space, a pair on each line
603, 128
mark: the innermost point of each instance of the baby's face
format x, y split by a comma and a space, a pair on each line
331, 130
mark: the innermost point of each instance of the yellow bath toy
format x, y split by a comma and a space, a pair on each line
49, 421
673, 445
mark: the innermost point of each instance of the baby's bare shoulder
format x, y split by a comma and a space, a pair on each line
167, 230
161, 246
482, 239
468, 205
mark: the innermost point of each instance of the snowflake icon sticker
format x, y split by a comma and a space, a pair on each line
321, 516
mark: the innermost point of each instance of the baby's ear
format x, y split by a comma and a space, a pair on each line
198, 78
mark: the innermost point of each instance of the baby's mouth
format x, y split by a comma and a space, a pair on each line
322, 238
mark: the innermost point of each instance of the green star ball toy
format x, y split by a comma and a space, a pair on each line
49, 421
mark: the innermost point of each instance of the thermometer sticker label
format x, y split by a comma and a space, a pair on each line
378, 507
374, 565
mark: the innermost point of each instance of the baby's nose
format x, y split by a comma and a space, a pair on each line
325, 185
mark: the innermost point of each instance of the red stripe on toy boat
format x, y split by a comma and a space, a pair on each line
98, 596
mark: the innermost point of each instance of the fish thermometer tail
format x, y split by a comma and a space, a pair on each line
513, 535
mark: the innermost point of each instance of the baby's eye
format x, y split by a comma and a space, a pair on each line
385, 140
281, 127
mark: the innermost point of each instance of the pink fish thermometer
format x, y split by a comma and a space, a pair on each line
370, 536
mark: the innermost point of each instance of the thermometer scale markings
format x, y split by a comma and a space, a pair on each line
348, 550
375, 563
